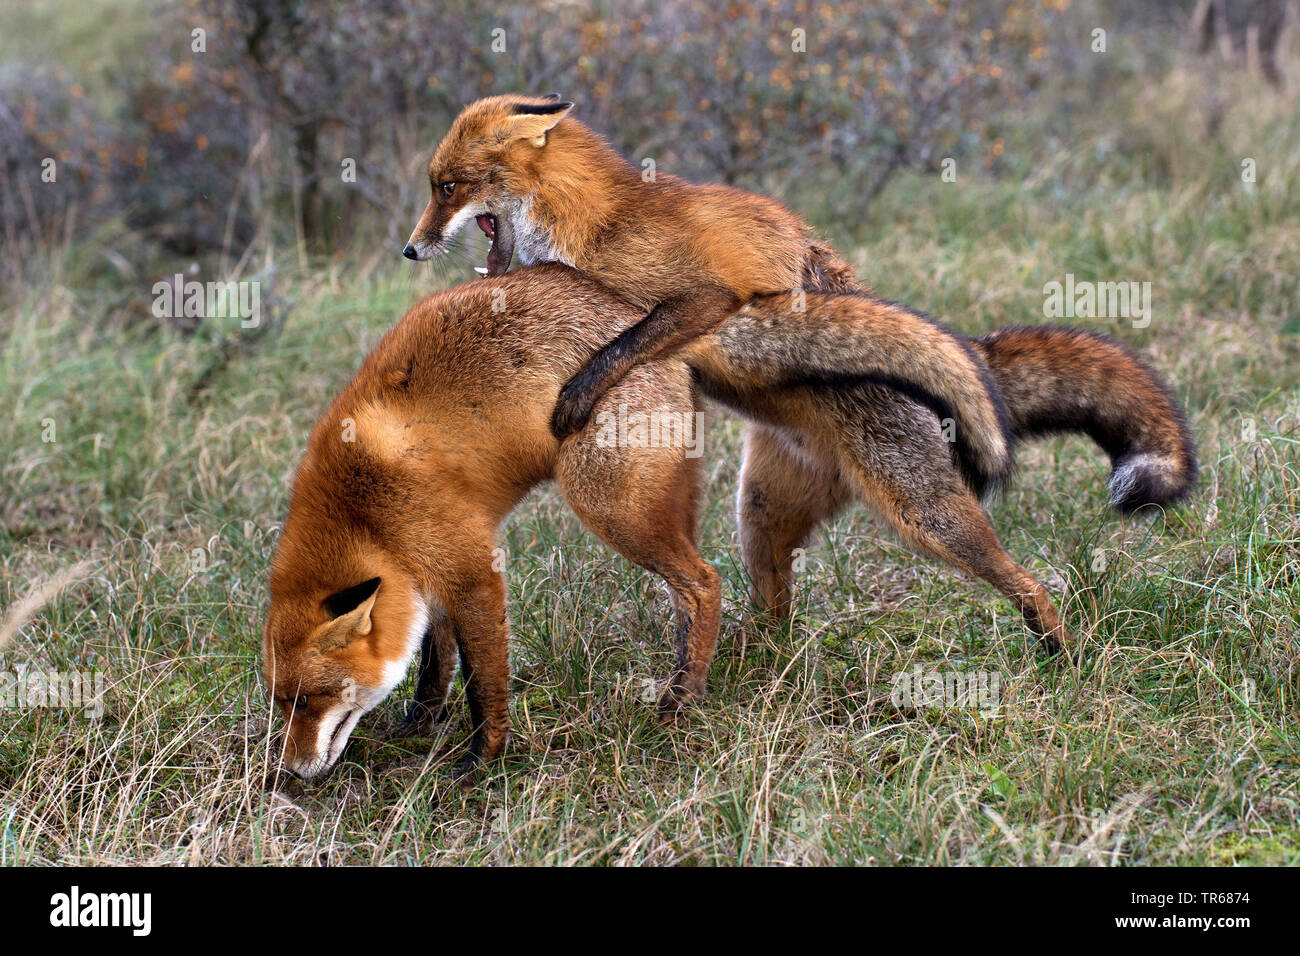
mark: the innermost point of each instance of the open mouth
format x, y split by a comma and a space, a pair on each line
501, 234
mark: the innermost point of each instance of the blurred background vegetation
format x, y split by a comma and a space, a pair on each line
212, 128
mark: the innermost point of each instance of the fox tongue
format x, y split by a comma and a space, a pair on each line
503, 248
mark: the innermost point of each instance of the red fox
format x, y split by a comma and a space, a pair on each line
542, 184
388, 548
549, 189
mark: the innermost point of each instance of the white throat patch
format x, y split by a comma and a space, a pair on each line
533, 244
395, 670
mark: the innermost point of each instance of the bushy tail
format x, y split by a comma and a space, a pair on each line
827, 339
1056, 379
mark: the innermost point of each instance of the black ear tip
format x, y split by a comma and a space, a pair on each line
551, 96
541, 109
349, 599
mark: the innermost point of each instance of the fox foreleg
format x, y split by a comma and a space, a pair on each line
669, 326
437, 661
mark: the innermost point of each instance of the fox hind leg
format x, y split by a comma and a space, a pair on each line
890, 449
643, 503
955, 529
655, 532
782, 499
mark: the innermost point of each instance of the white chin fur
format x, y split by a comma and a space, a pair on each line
323, 753
462, 216
532, 242
341, 738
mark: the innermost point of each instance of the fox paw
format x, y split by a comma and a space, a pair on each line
467, 772
674, 703
571, 414
418, 722
410, 728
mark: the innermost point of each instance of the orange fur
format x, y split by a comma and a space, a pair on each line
551, 189
390, 543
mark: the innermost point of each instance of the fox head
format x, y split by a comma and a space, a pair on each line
340, 634
485, 170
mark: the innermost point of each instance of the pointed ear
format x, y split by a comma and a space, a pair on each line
351, 608
349, 599
532, 121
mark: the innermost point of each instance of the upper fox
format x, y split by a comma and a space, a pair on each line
546, 188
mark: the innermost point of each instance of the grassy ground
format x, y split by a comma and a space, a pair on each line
1176, 742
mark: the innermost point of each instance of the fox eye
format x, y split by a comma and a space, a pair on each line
446, 189
300, 702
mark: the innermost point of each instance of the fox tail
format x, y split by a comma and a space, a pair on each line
1055, 379
819, 339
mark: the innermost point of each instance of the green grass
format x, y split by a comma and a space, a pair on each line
1176, 741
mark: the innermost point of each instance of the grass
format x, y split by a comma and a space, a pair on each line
1175, 742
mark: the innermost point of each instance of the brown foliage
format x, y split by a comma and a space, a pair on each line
756, 94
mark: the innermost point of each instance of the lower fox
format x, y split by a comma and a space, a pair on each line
388, 547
